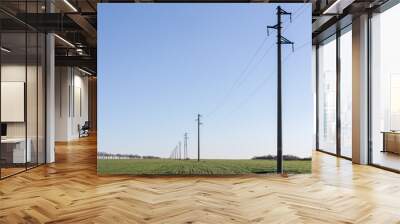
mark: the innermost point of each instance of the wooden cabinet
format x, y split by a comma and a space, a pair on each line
391, 142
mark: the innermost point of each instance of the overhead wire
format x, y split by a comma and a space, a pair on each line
246, 72
265, 81
240, 78
300, 11
250, 67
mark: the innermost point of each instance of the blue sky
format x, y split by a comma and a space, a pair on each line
161, 64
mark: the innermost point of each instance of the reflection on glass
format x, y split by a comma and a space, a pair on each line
386, 89
31, 101
14, 150
41, 99
327, 96
22, 91
346, 93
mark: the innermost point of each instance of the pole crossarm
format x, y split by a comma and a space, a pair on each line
275, 27
281, 11
286, 41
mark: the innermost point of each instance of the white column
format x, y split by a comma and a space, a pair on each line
50, 99
360, 90
50, 92
63, 98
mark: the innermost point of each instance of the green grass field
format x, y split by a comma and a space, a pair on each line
192, 167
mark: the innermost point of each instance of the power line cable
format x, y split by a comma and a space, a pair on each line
242, 76
303, 9
299, 8
239, 79
240, 82
297, 49
263, 82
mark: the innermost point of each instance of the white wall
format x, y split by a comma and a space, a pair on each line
62, 81
12, 73
81, 114
33, 126
71, 87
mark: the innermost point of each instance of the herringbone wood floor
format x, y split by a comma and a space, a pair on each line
69, 191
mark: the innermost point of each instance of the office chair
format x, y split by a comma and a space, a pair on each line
84, 130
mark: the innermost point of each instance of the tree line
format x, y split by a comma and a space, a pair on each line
285, 157
106, 155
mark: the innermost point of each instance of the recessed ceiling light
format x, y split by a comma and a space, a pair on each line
338, 6
84, 71
64, 40
5, 50
70, 5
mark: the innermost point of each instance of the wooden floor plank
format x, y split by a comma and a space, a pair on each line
69, 191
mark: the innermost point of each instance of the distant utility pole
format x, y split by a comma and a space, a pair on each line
185, 138
280, 40
180, 151
176, 152
198, 136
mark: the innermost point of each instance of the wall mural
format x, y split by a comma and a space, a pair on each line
191, 89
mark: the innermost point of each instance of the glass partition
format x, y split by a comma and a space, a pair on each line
14, 153
22, 88
41, 91
31, 100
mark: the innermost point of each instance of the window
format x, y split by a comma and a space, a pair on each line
346, 92
327, 95
385, 89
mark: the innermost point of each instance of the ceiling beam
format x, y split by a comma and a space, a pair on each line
84, 24
81, 61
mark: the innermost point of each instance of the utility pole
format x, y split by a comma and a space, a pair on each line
280, 40
180, 151
176, 152
198, 136
185, 138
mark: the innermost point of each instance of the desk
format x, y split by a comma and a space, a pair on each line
391, 141
13, 150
